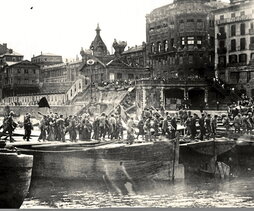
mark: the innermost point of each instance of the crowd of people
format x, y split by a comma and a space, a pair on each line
241, 114
152, 124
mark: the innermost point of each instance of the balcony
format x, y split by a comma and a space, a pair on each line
251, 46
221, 36
222, 50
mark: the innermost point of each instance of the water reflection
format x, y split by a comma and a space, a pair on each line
188, 194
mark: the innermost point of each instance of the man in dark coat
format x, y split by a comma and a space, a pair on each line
27, 126
9, 126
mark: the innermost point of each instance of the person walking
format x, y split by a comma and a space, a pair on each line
201, 122
27, 126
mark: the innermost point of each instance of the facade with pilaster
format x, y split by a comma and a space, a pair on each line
234, 51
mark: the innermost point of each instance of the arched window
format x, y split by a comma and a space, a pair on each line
159, 46
152, 47
165, 45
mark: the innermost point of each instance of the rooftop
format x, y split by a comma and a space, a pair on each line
134, 49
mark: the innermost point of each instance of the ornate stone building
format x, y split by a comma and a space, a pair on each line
180, 49
234, 49
108, 67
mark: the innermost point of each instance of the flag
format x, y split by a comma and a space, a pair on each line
43, 103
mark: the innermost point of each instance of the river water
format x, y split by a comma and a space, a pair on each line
209, 193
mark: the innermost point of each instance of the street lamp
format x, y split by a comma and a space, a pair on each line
90, 62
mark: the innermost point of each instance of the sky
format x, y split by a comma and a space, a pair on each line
62, 27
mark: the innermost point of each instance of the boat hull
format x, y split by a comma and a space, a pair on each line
15, 177
201, 158
241, 158
112, 161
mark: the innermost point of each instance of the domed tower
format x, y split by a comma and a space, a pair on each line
98, 46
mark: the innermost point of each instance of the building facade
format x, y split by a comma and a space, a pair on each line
46, 59
136, 56
235, 45
19, 78
180, 50
63, 72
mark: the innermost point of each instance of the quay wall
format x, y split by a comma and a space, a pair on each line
33, 110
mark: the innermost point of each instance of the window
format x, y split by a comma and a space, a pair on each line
242, 58
233, 45
119, 76
252, 40
190, 59
165, 45
222, 30
26, 71
233, 30
252, 56
19, 71
212, 41
190, 20
222, 44
232, 15
180, 59
242, 13
222, 60
242, 43
182, 41
199, 42
172, 42
181, 21
242, 28
252, 25
34, 71
221, 17
190, 40
233, 59
152, 47
159, 46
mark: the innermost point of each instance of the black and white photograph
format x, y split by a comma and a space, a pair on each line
126, 104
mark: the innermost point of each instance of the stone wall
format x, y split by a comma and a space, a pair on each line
33, 110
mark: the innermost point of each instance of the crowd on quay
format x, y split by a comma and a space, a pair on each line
152, 124
241, 114
156, 122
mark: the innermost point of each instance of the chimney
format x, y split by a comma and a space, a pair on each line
10, 51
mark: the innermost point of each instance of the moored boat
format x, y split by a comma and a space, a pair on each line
15, 177
112, 161
201, 158
241, 157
